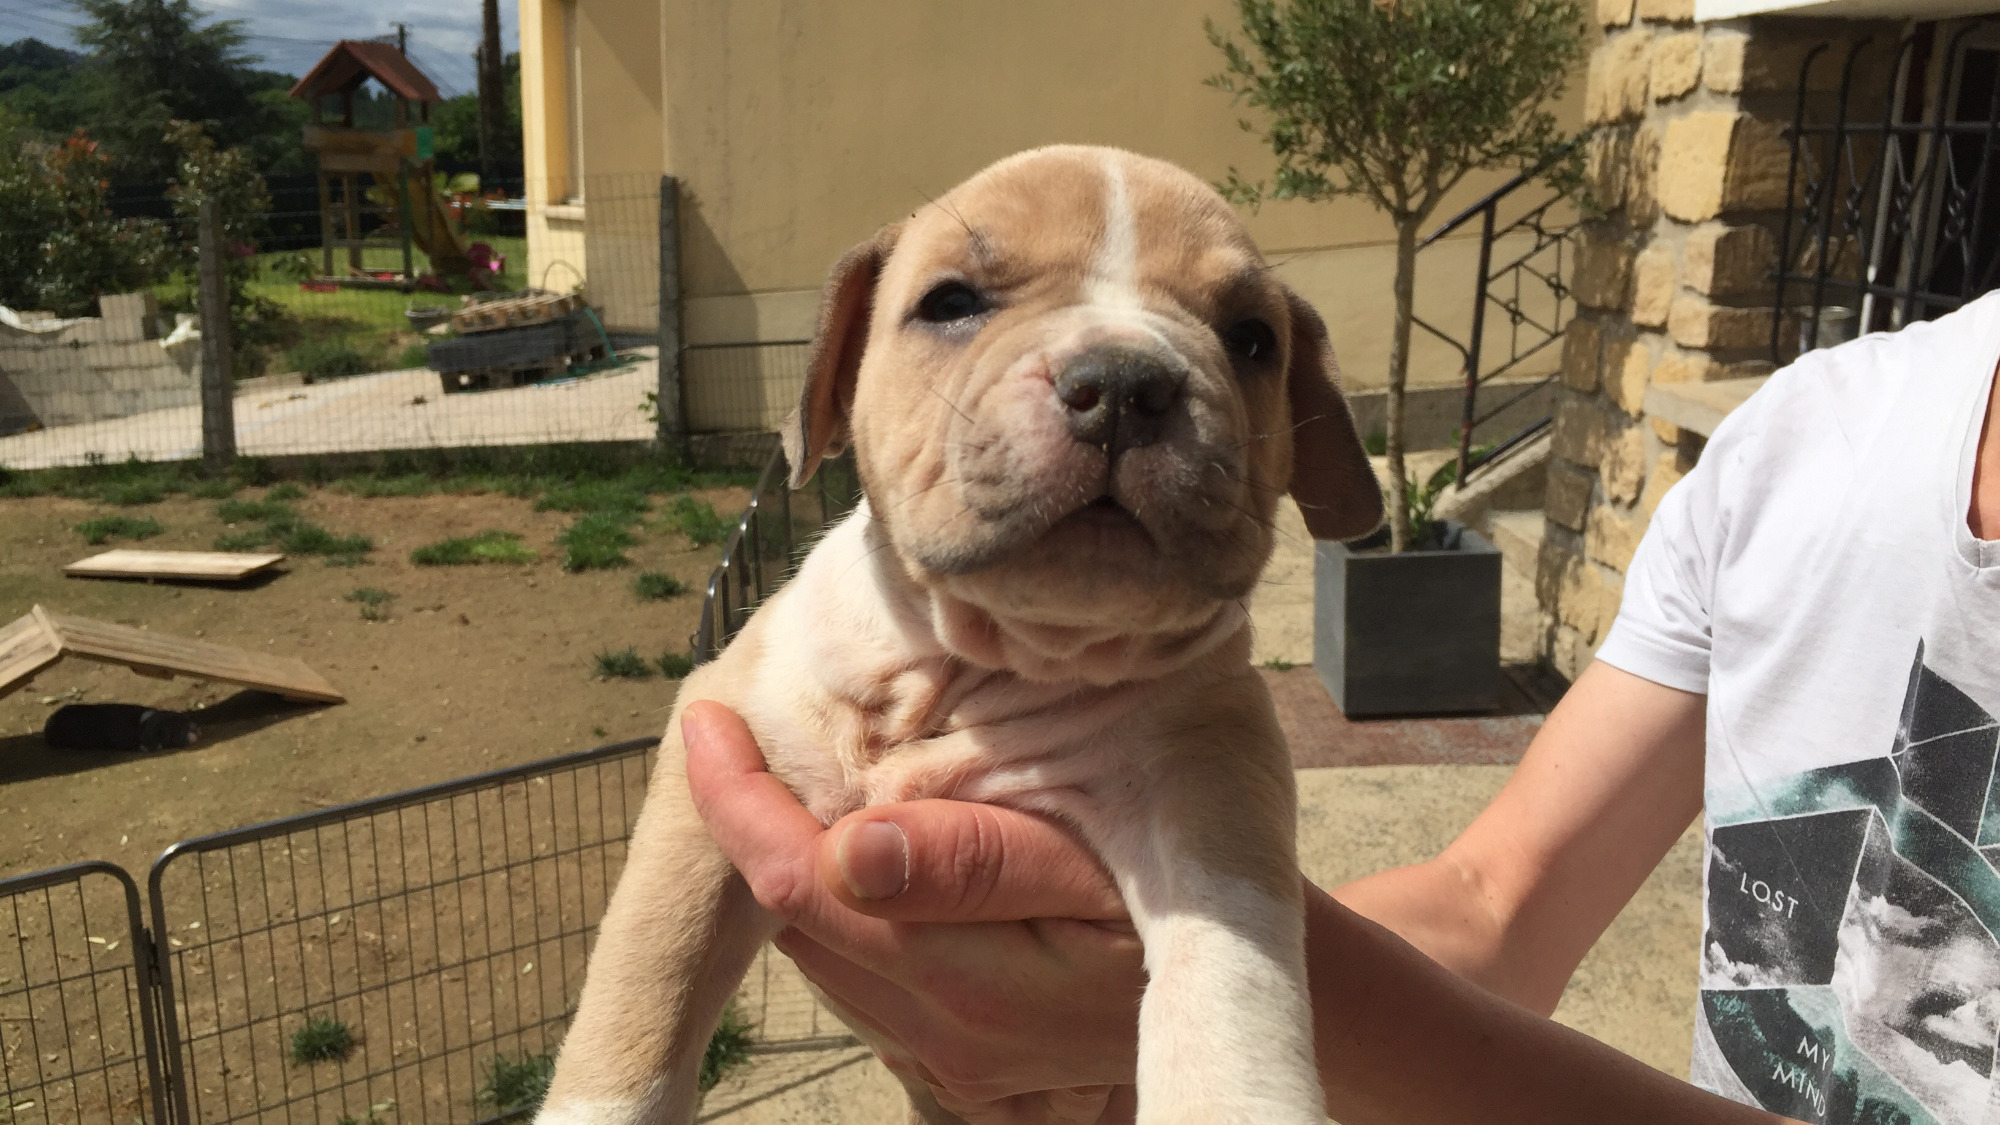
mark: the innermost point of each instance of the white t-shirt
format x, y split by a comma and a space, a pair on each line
1815, 576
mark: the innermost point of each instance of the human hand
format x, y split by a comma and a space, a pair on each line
988, 946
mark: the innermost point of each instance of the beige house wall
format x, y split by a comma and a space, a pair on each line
797, 129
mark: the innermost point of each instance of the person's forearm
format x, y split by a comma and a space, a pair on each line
1403, 1041
1436, 908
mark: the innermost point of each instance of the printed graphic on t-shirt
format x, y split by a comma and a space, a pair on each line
1850, 969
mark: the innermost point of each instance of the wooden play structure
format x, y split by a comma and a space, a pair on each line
395, 162
41, 637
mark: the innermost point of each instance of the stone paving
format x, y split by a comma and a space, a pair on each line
364, 413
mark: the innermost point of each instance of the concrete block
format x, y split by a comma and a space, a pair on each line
1567, 501
1622, 467
1676, 65
1613, 536
1726, 261
1652, 286
130, 316
1617, 84
1583, 351
1603, 277
1580, 431
1697, 322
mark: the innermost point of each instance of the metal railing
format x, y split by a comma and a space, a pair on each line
770, 537
386, 955
1889, 213
442, 929
1529, 289
79, 1021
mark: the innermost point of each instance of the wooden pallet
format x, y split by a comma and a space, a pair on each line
199, 566
40, 638
515, 312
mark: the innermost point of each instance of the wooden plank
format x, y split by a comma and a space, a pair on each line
222, 566
121, 644
26, 647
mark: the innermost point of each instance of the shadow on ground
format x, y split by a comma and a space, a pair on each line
24, 757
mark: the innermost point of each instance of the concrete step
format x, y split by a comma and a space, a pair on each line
1513, 482
1518, 534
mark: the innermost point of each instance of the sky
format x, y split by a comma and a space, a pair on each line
291, 35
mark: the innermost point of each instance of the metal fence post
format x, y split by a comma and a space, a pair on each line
218, 420
673, 423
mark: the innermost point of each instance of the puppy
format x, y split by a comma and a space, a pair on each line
118, 726
1075, 391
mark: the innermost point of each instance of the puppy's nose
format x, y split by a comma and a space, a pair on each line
1118, 399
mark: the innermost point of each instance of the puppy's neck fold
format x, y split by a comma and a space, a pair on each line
928, 621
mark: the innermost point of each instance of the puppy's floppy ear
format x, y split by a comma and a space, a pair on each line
818, 428
1331, 479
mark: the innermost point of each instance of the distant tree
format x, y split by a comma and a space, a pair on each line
456, 121
1397, 101
156, 62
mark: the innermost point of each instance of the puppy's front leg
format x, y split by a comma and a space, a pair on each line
677, 937
1209, 871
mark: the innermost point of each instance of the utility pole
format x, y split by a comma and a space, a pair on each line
402, 39
492, 90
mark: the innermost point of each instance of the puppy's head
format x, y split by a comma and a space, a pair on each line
1075, 391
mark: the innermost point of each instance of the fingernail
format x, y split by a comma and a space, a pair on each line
692, 728
874, 858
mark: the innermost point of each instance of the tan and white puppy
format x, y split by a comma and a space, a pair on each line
1075, 391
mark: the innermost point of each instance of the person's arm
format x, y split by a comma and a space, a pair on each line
1610, 782
917, 929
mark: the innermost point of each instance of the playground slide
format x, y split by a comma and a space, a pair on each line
431, 226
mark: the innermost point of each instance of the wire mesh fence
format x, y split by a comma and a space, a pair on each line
413, 958
332, 343
772, 535
409, 953
77, 1034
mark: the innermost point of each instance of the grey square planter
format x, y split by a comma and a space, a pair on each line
1415, 633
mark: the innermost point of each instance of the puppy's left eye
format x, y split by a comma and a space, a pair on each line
950, 301
1250, 339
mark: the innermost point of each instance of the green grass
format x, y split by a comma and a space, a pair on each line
415, 355
280, 526
675, 665
327, 359
254, 511
289, 490
322, 1039
512, 1085
614, 495
697, 520
124, 484
98, 530
489, 546
374, 602
131, 493
728, 1048
597, 541
657, 586
219, 489
623, 664
1279, 665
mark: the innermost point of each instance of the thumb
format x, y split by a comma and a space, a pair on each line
952, 861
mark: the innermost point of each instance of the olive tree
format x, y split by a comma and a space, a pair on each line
1398, 101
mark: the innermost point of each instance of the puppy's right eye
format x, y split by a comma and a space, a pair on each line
950, 301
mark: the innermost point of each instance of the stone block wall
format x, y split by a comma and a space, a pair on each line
1687, 170
56, 373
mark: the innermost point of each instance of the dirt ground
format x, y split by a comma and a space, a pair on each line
476, 667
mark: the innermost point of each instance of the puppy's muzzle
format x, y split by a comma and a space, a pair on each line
1118, 398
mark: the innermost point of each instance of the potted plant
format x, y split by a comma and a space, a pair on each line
1398, 101
1415, 631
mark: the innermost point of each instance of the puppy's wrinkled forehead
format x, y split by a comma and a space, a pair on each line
1072, 224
